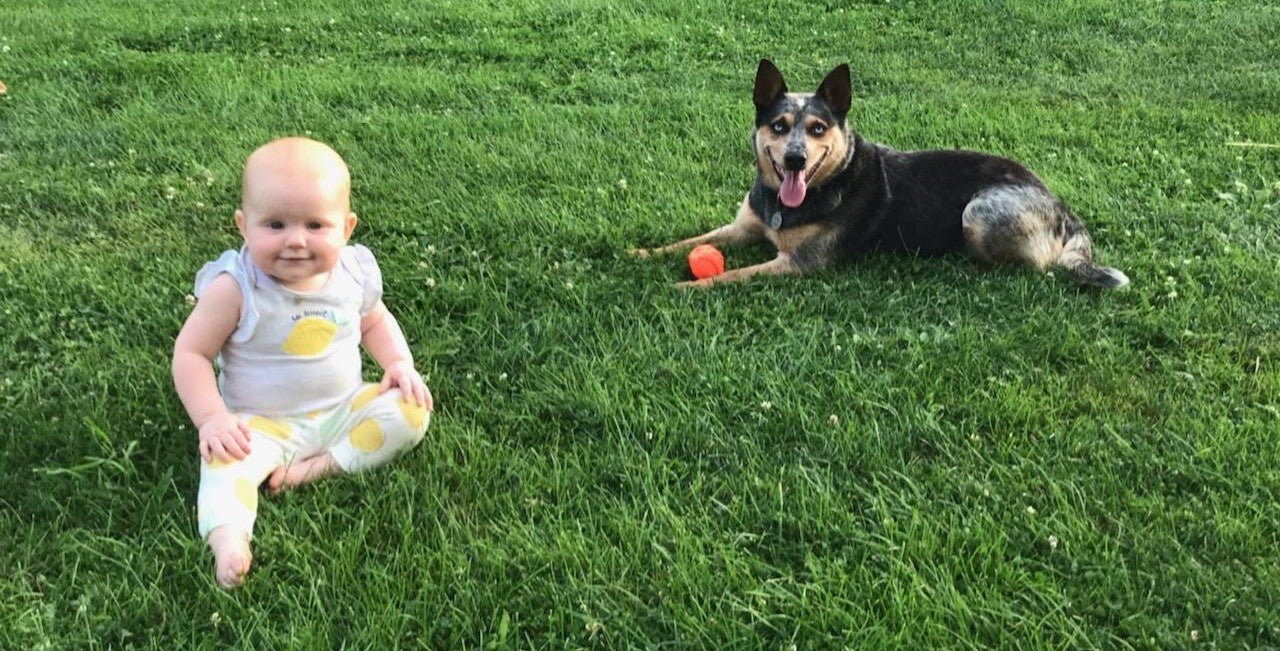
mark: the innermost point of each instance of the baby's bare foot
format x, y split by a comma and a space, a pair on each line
231, 555
302, 472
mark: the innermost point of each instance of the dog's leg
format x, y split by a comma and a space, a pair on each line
1025, 224
1012, 224
783, 264
801, 249
746, 227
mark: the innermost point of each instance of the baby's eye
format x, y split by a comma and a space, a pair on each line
275, 225
315, 226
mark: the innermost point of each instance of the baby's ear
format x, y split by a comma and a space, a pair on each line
240, 221
350, 225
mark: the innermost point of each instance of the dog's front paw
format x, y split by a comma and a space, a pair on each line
638, 252
695, 284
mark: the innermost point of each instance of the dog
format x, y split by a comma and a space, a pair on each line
823, 193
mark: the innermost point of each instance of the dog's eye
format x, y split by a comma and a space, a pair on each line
818, 129
779, 127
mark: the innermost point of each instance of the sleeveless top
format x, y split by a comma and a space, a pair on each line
294, 352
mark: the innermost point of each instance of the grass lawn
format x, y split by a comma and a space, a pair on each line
896, 453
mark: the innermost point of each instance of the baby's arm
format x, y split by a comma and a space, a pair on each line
209, 325
384, 340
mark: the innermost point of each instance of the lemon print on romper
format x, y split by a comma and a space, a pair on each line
367, 436
270, 427
216, 463
246, 494
369, 392
309, 336
413, 413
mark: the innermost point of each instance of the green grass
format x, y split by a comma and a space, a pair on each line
897, 453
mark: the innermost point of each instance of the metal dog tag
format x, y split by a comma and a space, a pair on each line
775, 222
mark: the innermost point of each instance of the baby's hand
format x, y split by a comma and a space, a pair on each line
404, 376
225, 437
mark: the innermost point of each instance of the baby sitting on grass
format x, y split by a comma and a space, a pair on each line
285, 317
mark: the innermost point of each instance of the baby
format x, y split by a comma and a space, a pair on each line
285, 317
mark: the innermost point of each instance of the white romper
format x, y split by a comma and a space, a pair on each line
291, 372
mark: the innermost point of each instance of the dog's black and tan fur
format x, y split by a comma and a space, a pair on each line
823, 192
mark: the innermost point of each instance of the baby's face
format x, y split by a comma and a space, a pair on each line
294, 231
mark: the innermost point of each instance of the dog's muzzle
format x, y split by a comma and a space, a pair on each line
793, 160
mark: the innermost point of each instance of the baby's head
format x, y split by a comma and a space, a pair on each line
295, 210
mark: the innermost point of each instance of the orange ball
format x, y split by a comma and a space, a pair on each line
705, 261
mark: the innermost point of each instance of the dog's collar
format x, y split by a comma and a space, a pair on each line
764, 201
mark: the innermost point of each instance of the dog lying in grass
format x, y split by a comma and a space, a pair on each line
823, 192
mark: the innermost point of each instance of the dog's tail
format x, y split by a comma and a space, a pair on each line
1077, 258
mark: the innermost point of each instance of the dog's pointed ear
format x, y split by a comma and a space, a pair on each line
769, 85
835, 90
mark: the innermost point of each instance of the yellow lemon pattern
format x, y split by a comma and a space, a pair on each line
369, 392
413, 413
270, 427
309, 336
215, 463
367, 436
246, 493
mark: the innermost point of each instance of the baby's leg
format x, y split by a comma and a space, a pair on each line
380, 427
227, 504
231, 554
302, 471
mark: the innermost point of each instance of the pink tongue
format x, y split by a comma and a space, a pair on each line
792, 191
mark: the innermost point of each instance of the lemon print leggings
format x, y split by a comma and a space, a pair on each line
364, 433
